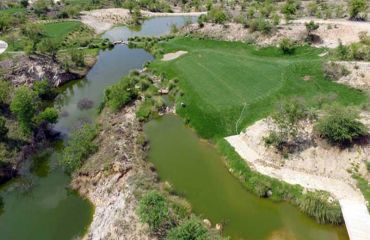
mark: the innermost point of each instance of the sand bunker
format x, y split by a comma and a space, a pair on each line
3, 46
174, 55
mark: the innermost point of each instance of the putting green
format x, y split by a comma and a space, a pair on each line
229, 85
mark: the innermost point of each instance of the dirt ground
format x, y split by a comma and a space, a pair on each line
318, 165
110, 179
330, 32
359, 76
174, 55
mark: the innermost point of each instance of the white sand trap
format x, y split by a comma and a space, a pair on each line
174, 55
3, 46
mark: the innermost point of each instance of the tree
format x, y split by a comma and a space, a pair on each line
190, 229
286, 119
341, 126
356, 7
49, 115
43, 89
24, 105
153, 209
3, 129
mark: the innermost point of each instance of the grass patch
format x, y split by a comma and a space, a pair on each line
230, 85
364, 186
60, 30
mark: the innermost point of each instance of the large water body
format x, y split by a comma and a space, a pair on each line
39, 205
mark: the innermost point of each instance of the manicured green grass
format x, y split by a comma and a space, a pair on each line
220, 79
60, 30
10, 11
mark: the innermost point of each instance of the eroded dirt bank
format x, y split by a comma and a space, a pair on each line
112, 177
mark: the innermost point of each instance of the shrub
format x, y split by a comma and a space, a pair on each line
43, 89
341, 126
24, 105
356, 7
121, 93
189, 229
153, 210
335, 71
217, 15
3, 129
261, 25
290, 8
5, 88
287, 46
317, 205
79, 147
49, 115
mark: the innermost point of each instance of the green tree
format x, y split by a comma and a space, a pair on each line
24, 105
49, 115
34, 33
356, 7
43, 89
79, 147
3, 128
153, 210
190, 229
341, 126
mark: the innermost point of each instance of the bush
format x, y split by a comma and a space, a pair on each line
24, 105
153, 210
341, 126
43, 89
3, 129
356, 7
49, 115
317, 205
121, 93
261, 25
79, 147
5, 88
335, 71
287, 46
217, 15
189, 229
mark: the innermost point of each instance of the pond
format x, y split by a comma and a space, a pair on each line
38, 205
197, 172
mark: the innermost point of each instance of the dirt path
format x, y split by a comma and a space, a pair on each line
102, 20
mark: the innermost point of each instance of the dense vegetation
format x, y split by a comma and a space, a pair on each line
79, 147
170, 218
229, 85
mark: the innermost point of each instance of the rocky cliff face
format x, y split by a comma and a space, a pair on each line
25, 70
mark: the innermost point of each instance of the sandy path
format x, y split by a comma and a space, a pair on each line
3, 46
174, 55
102, 20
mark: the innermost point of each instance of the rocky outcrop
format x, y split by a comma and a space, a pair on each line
25, 70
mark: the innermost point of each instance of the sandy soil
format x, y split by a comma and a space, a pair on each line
359, 76
3, 46
174, 55
329, 31
110, 177
102, 20
318, 166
